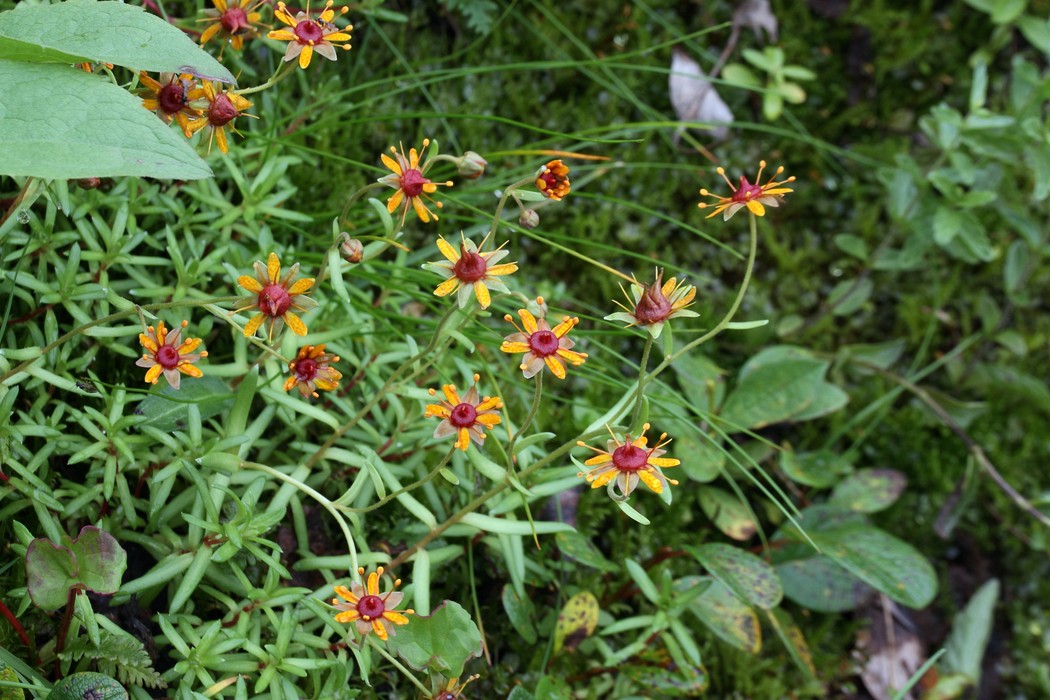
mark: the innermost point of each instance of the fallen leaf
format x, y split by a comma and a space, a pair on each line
694, 98
758, 15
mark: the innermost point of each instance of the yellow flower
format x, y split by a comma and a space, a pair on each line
409, 179
541, 344
629, 462
308, 35
370, 611
275, 298
466, 417
169, 98
235, 19
164, 355
469, 269
656, 304
310, 371
453, 690
221, 109
553, 180
755, 197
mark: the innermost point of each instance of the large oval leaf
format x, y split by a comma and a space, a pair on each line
820, 584
59, 122
94, 561
727, 513
869, 490
106, 32
731, 621
746, 575
882, 561
442, 642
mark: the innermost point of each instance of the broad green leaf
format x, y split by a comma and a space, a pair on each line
109, 32
576, 621
775, 385
827, 399
661, 677
869, 490
1037, 31
884, 562
8, 675
817, 469
15, 50
727, 513
852, 245
701, 381
168, 409
731, 621
582, 549
80, 686
702, 459
970, 632
850, 295
93, 561
822, 585
946, 224
59, 122
521, 613
442, 642
749, 577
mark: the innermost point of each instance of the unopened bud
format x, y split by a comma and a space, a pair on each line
529, 219
351, 249
471, 165
89, 183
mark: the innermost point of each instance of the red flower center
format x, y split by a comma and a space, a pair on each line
463, 415
172, 97
630, 458
471, 267
309, 32
274, 300
746, 192
653, 307
544, 343
306, 369
235, 20
167, 357
550, 180
370, 607
412, 182
222, 111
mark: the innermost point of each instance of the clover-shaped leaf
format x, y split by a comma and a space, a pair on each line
93, 561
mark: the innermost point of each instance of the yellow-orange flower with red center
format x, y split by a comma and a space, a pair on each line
411, 183
234, 20
629, 462
165, 355
275, 298
553, 180
369, 610
453, 690
755, 197
311, 371
470, 269
542, 344
221, 108
308, 35
655, 304
466, 417
169, 98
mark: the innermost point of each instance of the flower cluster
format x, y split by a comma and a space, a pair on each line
553, 180
541, 344
624, 464
311, 370
234, 20
369, 610
308, 35
409, 178
166, 355
275, 298
471, 270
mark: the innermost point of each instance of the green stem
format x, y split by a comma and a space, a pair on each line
278, 75
405, 489
320, 498
426, 355
485, 497
640, 393
529, 418
721, 326
353, 200
503, 202
108, 319
397, 664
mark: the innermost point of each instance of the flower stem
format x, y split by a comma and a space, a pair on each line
397, 664
507, 192
640, 393
529, 418
427, 355
321, 499
405, 489
721, 326
277, 76
485, 497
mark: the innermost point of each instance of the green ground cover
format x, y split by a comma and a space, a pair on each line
856, 393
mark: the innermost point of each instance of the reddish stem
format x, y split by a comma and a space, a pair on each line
19, 630
63, 630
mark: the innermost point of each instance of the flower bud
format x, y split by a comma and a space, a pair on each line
471, 165
351, 249
529, 219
